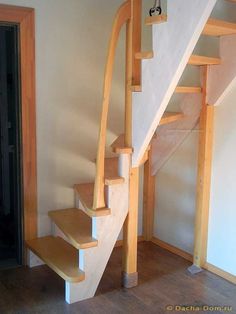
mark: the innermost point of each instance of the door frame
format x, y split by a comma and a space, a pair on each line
25, 19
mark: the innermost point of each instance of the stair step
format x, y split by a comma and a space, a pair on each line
76, 226
219, 28
136, 88
114, 180
144, 55
157, 19
188, 90
59, 255
170, 117
202, 60
85, 192
111, 171
118, 146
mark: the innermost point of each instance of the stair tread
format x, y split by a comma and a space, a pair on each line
111, 167
144, 55
76, 225
111, 171
202, 60
114, 180
216, 27
85, 192
188, 89
118, 146
156, 19
59, 255
169, 117
136, 88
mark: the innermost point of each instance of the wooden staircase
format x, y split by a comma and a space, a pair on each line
83, 237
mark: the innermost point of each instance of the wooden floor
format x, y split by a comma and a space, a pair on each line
163, 281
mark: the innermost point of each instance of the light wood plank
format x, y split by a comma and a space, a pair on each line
219, 28
170, 117
136, 88
188, 90
59, 255
111, 172
148, 198
202, 60
85, 193
76, 226
137, 34
172, 249
118, 146
114, 180
204, 176
129, 60
150, 20
220, 272
144, 55
130, 230
122, 16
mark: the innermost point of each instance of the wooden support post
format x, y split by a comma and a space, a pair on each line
204, 177
133, 43
137, 31
148, 199
130, 275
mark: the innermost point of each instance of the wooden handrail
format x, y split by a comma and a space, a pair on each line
123, 16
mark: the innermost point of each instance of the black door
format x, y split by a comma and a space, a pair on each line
10, 149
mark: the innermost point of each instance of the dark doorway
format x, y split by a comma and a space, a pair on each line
10, 149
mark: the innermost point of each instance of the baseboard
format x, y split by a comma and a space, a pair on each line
220, 272
172, 249
119, 243
213, 269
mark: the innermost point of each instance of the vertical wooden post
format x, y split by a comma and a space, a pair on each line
204, 177
130, 275
148, 199
137, 31
133, 43
128, 83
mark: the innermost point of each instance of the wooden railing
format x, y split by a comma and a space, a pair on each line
125, 15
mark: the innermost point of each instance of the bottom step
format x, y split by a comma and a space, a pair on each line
59, 255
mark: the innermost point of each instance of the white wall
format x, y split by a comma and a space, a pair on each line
175, 196
71, 48
222, 222
176, 181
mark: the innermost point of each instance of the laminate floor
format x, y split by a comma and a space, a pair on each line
163, 281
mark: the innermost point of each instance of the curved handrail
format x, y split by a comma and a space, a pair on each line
122, 16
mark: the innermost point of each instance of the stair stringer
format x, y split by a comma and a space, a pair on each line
173, 44
169, 137
106, 230
226, 71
